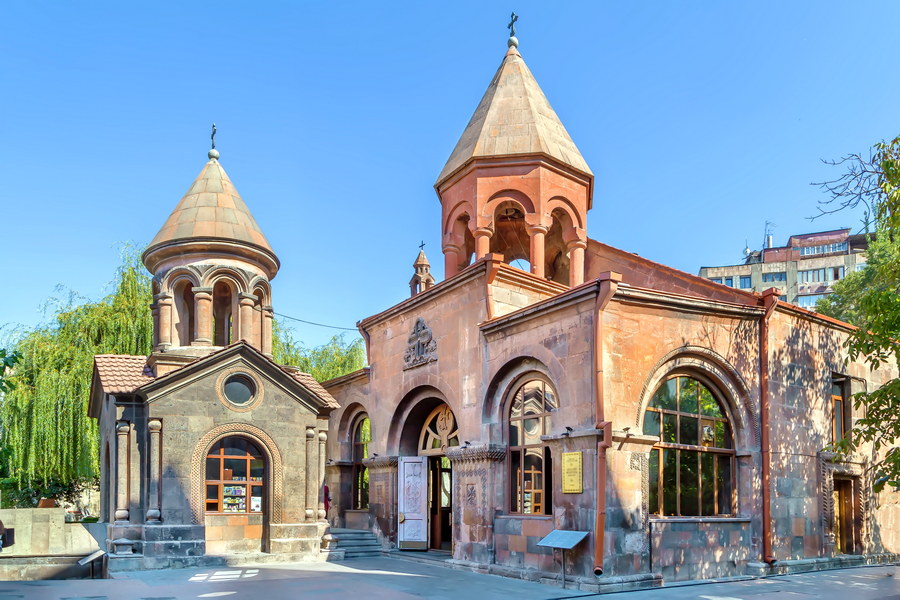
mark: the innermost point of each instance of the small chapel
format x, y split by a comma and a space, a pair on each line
553, 382
208, 447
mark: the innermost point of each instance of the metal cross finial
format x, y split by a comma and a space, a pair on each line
213, 136
512, 24
422, 245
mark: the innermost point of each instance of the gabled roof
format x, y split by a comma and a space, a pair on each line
122, 373
514, 118
211, 209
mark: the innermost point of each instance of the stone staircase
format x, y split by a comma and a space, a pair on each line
357, 543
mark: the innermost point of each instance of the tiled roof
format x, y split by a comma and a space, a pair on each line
310, 383
121, 373
514, 117
211, 208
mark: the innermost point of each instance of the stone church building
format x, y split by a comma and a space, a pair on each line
549, 382
208, 447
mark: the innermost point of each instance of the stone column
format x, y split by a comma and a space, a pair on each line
203, 315
164, 302
266, 342
123, 428
320, 479
154, 310
451, 260
473, 500
576, 262
155, 429
383, 493
312, 464
482, 242
245, 323
537, 234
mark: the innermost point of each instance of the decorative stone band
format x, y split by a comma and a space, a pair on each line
381, 462
477, 453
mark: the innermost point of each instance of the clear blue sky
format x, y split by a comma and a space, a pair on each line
700, 120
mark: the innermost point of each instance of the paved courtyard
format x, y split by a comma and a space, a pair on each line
376, 578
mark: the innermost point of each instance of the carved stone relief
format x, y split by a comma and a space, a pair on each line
422, 347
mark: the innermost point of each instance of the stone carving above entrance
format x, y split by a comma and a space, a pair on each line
422, 347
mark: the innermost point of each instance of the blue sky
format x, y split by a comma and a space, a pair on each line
700, 120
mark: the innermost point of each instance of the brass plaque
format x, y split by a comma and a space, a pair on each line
572, 473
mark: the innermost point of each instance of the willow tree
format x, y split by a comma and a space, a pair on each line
50, 439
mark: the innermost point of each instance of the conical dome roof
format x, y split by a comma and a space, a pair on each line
211, 213
514, 118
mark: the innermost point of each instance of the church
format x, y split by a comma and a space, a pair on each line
549, 382
553, 382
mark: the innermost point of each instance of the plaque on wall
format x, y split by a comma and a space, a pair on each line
572, 473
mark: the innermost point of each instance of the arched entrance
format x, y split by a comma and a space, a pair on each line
425, 481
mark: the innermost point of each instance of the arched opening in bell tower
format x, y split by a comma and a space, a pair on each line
510, 237
185, 321
223, 312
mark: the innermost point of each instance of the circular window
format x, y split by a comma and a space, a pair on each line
239, 389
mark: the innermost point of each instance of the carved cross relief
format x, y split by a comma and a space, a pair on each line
422, 347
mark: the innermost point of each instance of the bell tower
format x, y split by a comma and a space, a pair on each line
212, 268
516, 184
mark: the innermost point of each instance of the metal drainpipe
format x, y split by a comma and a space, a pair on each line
770, 301
609, 282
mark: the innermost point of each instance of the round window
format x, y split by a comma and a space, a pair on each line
239, 389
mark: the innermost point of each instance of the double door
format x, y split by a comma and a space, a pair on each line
424, 503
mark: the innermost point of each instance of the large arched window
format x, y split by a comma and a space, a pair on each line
235, 477
362, 435
530, 479
692, 466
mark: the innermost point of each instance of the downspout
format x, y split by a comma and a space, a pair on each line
609, 283
770, 301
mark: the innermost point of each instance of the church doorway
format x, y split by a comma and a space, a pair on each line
425, 481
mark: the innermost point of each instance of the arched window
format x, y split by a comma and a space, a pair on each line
223, 313
530, 478
235, 477
692, 466
362, 435
184, 321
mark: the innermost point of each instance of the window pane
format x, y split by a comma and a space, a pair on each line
708, 405
212, 468
707, 432
516, 409
689, 430
515, 433
235, 469
515, 476
257, 468
724, 485
669, 429
532, 431
654, 481
234, 446
688, 397
651, 423
708, 483
256, 499
533, 398
689, 483
533, 482
550, 403
720, 434
665, 395
212, 492
234, 498
670, 490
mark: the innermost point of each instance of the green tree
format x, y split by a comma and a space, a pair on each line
51, 441
7, 361
333, 359
870, 299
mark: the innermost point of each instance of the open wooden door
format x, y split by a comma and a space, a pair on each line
412, 503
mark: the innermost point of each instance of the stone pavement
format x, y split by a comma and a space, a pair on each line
382, 578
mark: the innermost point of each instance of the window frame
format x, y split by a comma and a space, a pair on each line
699, 450
840, 409
516, 480
247, 483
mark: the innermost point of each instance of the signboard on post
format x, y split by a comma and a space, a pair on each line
572, 473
